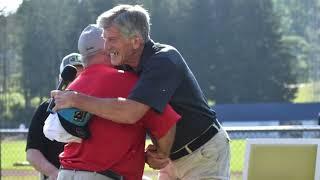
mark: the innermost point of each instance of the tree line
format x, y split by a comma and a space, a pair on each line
241, 51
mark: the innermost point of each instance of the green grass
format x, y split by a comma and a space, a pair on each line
19, 178
305, 93
237, 155
14, 151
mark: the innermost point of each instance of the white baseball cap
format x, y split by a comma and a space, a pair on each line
71, 59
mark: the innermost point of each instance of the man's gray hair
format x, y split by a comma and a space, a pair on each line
130, 19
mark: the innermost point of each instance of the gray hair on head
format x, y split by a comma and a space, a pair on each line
130, 19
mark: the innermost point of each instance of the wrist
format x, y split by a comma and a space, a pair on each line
163, 154
74, 98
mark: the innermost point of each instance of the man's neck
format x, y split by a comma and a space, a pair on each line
135, 58
98, 59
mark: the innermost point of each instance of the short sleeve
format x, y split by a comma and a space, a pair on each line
157, 83
159, 124
36, 138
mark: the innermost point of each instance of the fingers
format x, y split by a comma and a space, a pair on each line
54, 93
157, 163
151, 147
62, 99
55, 108
156, 155
60, 103
155, 159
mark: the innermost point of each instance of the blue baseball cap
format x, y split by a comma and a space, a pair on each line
75, 122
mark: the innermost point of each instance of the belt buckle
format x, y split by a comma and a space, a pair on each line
188, 149
186, 146
215, 126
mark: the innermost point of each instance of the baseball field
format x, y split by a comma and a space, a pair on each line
14, 166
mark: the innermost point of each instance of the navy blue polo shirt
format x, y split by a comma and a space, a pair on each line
164, 77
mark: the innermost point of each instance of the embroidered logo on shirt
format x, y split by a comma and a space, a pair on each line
78, 116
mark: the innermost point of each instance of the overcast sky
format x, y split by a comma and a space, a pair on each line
9, 6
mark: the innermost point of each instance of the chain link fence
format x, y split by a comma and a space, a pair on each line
14, 166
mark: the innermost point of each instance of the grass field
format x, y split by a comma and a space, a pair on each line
14, 151
306, 92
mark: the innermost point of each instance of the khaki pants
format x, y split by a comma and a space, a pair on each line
80, 175
210, 161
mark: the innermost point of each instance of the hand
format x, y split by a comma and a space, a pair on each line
62, 99
155, 159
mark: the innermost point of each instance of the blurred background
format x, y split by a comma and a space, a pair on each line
247, 54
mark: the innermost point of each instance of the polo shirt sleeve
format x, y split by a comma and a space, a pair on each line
36, 138
157, 83
159, 124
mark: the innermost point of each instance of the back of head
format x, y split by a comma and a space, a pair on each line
90, 41
71, 59
130, 19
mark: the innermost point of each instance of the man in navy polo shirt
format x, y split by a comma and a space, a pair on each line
201, 148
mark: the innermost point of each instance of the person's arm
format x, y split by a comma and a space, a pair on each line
161, 129
164, 144
37, 143
154, 89
157, 154
120, 110
41, 164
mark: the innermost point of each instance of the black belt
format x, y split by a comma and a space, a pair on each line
107, 173
198, 142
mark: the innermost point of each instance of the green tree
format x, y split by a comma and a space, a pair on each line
10, 70
300, 26
235, 48
3, 50
237, 52
256, 63
38, 48
48, 30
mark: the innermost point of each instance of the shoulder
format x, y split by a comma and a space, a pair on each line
44, 104
166, 55
42, 108
119, 73
166, 60
118, 76
165, 50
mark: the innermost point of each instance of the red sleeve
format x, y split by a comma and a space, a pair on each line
159, 124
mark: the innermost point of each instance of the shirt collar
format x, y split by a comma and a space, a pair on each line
148, 50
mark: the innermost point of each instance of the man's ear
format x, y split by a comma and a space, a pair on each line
136, 41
